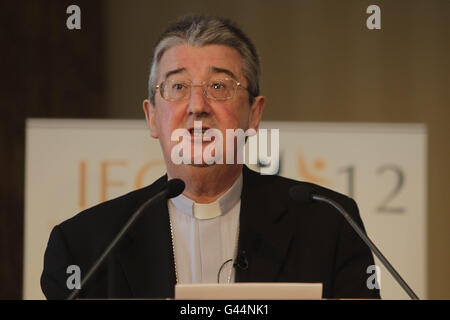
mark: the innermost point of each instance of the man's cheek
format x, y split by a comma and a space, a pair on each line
231, 120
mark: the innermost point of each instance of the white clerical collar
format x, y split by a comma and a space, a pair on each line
210, 210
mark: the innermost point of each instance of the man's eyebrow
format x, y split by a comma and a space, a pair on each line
222, 70
175, 71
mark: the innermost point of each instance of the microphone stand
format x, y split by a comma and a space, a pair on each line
369, 243
159, 196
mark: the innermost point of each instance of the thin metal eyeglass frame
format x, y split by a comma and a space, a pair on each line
239, 85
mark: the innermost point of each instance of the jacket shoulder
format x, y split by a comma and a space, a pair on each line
281, 185
104, 219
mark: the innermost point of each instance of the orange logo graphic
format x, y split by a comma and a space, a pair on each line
310, 175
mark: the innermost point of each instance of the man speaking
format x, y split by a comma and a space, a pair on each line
230, 224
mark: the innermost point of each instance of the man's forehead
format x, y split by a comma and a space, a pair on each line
210, 70
210, 59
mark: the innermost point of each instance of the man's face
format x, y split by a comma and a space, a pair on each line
197, 65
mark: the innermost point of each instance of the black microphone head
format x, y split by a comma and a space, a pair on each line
301, 193
241, 261
174, 187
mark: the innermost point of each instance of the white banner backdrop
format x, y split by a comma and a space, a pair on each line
74, 164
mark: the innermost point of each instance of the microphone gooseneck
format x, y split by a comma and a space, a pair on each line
304, 194
172, 189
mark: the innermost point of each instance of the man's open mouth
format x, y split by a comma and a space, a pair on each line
198, 132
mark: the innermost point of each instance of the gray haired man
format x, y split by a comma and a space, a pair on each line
230, 224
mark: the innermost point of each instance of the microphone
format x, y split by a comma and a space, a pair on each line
304, 194
241, 261
173, 188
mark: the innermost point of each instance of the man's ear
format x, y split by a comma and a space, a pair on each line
257, 111
149, 111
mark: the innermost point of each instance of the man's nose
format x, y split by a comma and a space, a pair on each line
198, 104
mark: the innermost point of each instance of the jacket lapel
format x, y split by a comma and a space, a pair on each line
265, 230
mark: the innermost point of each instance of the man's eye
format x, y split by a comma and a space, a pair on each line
178, 86
218, 85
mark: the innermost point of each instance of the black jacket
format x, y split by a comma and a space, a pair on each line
283, 242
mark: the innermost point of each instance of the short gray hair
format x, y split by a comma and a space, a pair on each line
200, 30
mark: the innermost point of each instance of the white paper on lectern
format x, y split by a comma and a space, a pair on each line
249, 291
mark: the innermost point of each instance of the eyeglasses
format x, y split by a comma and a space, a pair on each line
215, 89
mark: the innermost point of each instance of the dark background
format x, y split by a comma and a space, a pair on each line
48, 72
